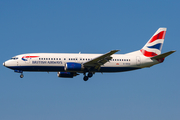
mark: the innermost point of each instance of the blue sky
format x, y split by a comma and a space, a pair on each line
89, 27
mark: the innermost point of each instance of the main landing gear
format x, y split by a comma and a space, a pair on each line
90, 74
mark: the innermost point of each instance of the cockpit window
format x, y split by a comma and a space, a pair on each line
14, 58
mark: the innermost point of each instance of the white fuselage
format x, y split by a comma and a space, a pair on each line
55, 62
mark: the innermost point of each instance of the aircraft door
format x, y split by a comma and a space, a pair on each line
138, 60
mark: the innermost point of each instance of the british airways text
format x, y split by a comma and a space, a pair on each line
46, 62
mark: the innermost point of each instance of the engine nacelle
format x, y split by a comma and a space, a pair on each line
66, 74
70, 66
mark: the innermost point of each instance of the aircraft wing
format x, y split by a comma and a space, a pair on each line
101, 60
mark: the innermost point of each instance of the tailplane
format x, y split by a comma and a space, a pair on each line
154, 46
160, 58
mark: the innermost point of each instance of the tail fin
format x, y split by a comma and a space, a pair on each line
154, 46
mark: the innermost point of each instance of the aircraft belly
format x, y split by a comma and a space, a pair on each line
38, 68
117, 69
61, 68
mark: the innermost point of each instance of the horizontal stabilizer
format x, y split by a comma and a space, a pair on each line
163, 55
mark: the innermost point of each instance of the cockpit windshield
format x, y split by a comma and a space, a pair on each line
14, 58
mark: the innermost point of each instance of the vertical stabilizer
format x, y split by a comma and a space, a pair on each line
154, 46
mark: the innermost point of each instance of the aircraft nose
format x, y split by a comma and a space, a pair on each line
4, 63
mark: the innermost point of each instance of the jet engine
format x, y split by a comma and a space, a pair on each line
67, 74
70, 66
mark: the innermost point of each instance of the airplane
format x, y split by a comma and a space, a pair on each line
71, 64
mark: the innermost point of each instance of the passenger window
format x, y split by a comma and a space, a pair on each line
59, 58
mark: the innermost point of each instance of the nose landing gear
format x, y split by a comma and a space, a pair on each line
19, 71
21, 76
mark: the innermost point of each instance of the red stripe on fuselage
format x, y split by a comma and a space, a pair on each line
30, 56
160, 35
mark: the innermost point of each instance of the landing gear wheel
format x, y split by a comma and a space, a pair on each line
90, 74
21, 76
85, 78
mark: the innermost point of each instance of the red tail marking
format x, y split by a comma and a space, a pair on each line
160, 60
160, 35
148, 54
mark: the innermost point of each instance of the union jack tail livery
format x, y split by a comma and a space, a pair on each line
154, 46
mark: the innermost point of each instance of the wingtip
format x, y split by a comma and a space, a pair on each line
116, 50
172, 51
